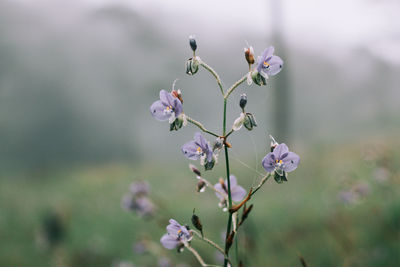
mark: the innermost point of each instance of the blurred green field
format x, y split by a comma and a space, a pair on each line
306, 216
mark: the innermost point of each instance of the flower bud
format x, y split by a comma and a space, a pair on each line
177, 94
249, 55
243, 101
178, 123
249, 121
280, 178
209, 165
192, 42
238, 123
201, 186
258, 78
195, 170
218, 144
273, 143
192, 65
197, 223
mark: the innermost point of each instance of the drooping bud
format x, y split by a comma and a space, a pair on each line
249, 121
249, 55
222, 183
177, 94
243, 101
273, 143
192, 65
209, 165
197, 223
238, 123
180, 248
280, 178
258, 78
195, 170
201, 186
218, 144
192, 42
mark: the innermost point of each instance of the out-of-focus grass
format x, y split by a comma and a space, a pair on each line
304, 216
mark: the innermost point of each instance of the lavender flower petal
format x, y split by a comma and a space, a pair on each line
157, 111
169, 241
173, 227
280, 150
166, 98
190, 150
238, 193
275, 65
268, 162
219, 188
290, 162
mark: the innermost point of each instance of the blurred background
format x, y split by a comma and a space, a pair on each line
77, 79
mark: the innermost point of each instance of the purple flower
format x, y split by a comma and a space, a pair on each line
140, 188
268, 64
237, 192
142, 205
167, 108
281, 160
176, 235
201, 149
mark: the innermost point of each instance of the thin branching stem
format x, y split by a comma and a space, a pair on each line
210, 242
198, 124
214, 73
262, 182
198, 257
213, 188
234, 86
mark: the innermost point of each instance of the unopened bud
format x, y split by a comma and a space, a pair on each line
249, 121
258, 78
249, 55
218, 144
201, 186
280, 178
273, 143
197, 223
180, 247
222, 183
243, 101
177, 94
195, 170
209, 165
192, 42
192, 66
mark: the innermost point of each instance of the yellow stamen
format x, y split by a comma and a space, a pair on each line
199, 149
167, 108
266, 63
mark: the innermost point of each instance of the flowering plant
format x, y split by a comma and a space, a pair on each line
233, 198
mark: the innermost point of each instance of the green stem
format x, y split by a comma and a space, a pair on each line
214, 73
198, 124
228, 226
234, 86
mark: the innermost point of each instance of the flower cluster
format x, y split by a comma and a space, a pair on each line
232, 197
137, 199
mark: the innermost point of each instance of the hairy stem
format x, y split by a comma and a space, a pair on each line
198, 257
209, 242
262, 182
213, 188
234, 86
198, 124
214, 73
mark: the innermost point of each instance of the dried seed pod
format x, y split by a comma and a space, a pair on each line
229, 240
